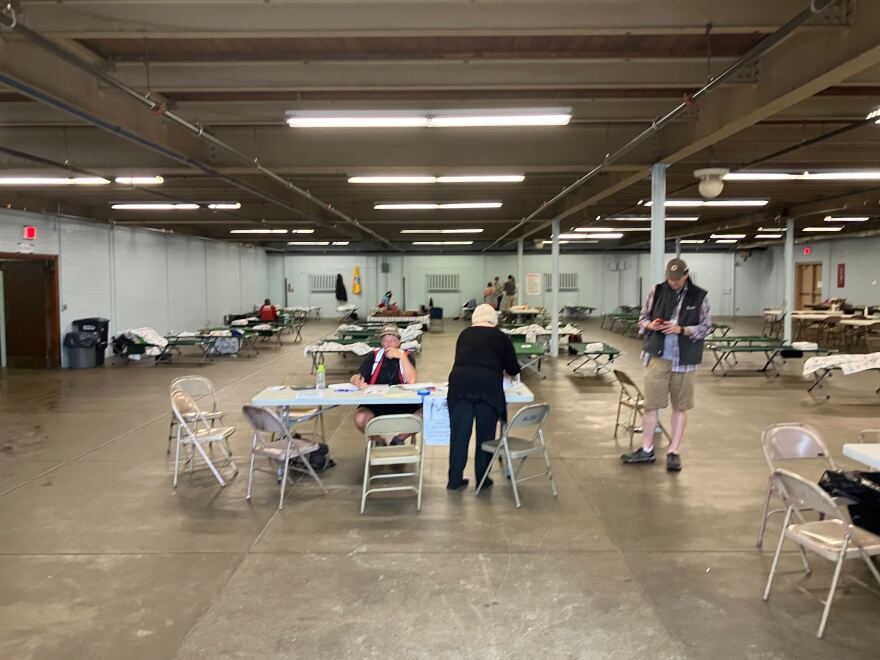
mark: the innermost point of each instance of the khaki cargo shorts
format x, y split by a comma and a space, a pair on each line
661, 384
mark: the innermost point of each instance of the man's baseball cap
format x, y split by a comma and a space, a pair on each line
390, 330
676, 269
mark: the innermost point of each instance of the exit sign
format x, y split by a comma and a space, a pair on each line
29, 233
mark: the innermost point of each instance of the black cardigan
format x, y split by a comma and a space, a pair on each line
482, 355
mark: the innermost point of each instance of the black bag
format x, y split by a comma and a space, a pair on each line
319, 459
861, 488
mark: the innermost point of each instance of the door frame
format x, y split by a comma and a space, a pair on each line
54, 320
798, 293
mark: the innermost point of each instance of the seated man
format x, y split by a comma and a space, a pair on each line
268, 311
389, 365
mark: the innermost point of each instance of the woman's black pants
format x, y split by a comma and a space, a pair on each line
461, 420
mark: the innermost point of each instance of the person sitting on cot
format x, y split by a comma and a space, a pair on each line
388, 365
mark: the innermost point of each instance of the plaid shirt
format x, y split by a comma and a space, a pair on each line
670, 346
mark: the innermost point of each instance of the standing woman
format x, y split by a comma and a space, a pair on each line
489, 296
483, 354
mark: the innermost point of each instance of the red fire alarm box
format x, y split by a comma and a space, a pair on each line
807, 252
29, 233
841, 276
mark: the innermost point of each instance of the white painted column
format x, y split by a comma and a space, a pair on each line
520, 278
678, 248
554, 291
788, 301
658, 222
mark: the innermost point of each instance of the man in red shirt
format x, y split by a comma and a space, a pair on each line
268, 311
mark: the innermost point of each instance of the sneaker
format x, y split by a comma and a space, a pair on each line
397, 441
461, 484
673, 462
638, 456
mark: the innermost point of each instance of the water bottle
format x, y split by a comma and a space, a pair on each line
322, 377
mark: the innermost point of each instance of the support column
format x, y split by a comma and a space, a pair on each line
658, 222
788, 299
678, 248
520, 277
554, 291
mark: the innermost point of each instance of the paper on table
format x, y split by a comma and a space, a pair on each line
435, 416
376, 389
343, 387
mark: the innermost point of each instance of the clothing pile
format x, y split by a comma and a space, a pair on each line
137, 342
848, 364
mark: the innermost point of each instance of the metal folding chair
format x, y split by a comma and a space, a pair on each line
869, 435
789, 441
412, 453
193, 431
197, 387
834, 537
512, 448
280, 447
631, 398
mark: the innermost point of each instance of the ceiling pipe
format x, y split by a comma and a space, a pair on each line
13, 25
760, 49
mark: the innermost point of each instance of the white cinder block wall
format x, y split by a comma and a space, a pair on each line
143, 278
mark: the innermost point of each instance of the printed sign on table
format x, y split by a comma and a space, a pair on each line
435, 413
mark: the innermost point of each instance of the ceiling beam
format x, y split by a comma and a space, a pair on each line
797, 74
332, 18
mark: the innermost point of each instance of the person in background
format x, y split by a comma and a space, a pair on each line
388, 365
268, 312
675, 320
483, 354
489, 295
509, 292
499, 292
386, 299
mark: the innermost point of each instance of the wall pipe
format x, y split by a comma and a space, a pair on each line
760, 49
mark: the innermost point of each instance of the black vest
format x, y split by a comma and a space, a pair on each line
665, 300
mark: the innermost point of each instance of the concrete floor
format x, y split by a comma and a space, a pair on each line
100, 558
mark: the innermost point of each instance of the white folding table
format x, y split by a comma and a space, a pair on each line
866, 454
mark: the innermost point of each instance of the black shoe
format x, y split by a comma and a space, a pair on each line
397, 441
638, 456
461, 484
380, 443
487, 484
673, 462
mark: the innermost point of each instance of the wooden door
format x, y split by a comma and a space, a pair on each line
31, 310
808, 282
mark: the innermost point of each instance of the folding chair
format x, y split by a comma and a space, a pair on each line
197, 387
193, 431
789, 441
408, 454
833, 538
869, 435
283, 450
513, 448
631, 397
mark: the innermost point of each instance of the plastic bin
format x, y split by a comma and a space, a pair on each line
81, 349
99, 326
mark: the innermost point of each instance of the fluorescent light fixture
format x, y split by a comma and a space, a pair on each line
772, 229
488, 178
443, 242
695, 203
340, 242
418, 206
822, 228
829, 218
759, 176
727, 236
52, 181
257, 231
572, 237
692, 241
874, 114
139, 180
302, 231
612, 229
224, 206
603, 235
768, 235
431, 119
848, 175
647, 218
564, 242
441, 231
726, 240
143, 206
308, 242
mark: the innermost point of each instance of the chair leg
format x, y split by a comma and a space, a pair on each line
421, 473
806, 562
250, 477
176, 461
873, 568
617, 419
284, 481
763, 528
366, 476
170, 434
201, 450
837, 569
776, 555
495, 455
227, 455
509, 462
314, 474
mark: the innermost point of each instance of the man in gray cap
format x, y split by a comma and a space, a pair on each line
674, 321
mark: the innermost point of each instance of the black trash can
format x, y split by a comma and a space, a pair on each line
100, 326
81, 349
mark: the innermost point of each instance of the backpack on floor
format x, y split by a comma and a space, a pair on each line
319, 459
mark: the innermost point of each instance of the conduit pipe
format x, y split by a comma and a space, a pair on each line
757, 51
